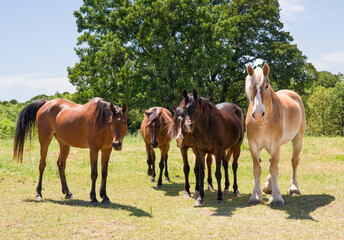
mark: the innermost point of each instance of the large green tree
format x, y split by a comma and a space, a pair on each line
146, 52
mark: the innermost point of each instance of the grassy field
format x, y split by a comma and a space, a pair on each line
139, 211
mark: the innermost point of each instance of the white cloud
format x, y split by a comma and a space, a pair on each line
333, 62
24, 87
290, 9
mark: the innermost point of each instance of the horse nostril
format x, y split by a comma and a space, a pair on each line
263, 114
253, 115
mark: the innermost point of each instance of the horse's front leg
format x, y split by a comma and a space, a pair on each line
186, 169
201, 164
218, 175
105, 163
276, 199
94, 173
256, 197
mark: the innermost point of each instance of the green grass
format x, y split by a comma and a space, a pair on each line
139, 211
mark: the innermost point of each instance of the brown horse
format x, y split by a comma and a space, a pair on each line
214, 131
185, 141
273, 119
157, 130
97, 125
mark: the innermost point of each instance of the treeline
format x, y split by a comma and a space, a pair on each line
145, 52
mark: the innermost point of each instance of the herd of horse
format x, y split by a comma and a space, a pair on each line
273, 119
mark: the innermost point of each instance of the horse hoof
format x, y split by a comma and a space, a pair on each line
70, 196
196, 195
277, 203
219, 201
210, 187
226, 192
294, 191
198, 203
94, 204
152, 179
187, 194
159, 186
236, 194
106, 201
167, 179
38, 197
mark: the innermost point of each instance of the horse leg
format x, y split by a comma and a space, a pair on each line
196, 171
105, 163
297, 146
165, 160
225, 161
276, 199
186, 169
210, 180
201, 161
149, 160
44, 142
161, 166
94, 173
256, 197
218, 175
236, 154
61, 163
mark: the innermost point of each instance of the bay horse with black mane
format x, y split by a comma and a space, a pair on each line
273, 119
157, 131
185, 141
214, 131
97, 125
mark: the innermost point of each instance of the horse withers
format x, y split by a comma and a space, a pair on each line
157, 131
214, 130
97, 125
273, 119
185, 141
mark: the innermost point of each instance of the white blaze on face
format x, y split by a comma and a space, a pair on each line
180, 136
258, 106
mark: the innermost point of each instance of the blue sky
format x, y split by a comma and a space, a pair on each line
38, 38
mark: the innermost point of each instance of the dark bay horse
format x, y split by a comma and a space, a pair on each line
273, 119
214, 131
185, 141
157, 130
97, 125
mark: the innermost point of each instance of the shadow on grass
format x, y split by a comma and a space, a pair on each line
171, 189
300, 207
81, 203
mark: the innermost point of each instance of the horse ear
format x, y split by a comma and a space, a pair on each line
112, 107
266, 70
185, 93
124, 107
194, 92
250, 70
147, 113
174, 107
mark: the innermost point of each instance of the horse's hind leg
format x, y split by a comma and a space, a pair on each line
61, 163
210, 180
165, 161
225, 161
297, 146
236, 154
44, 142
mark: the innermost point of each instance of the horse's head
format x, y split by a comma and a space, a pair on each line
257, 90
192, 108
119, 125
154, 124
178, 120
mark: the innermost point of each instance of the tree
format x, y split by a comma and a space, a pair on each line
146, 52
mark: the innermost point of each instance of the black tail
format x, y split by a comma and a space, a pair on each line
25, 124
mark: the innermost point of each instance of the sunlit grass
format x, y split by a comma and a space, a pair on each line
139, 211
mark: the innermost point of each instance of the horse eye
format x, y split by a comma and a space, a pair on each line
267, 86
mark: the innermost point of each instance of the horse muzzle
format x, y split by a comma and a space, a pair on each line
188, 127
117, 145
154, 144
258, 117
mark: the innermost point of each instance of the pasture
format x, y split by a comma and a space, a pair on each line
139, 211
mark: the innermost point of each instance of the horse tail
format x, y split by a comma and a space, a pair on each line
25, 124
240, 115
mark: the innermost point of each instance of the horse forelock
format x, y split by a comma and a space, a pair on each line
254, 81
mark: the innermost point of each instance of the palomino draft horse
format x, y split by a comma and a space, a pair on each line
214, 130
157, 130
185, 141
97, 125
273, 119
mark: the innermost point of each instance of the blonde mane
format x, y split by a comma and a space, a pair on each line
257, 79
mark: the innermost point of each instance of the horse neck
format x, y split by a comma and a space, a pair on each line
167, 125
206, 119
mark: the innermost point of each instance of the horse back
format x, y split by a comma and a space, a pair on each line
235, 114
